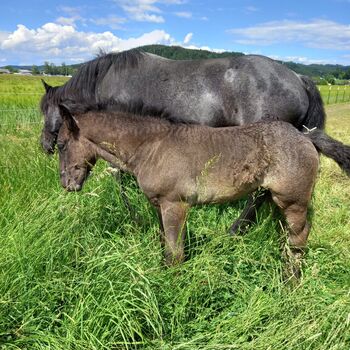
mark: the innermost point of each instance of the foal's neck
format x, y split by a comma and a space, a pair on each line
123, 139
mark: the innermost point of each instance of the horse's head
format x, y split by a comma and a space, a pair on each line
52, 119
76, 153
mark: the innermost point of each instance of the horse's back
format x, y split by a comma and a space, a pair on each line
216, 92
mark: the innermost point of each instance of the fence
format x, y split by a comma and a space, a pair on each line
330, 95
335, 93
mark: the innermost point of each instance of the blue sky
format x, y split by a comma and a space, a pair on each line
73, 31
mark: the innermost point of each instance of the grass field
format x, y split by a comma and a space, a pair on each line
78, 271
335, 93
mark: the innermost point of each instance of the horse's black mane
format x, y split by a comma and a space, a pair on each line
82, 86
133, 107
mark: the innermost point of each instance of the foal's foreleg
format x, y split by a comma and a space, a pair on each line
173, 220
249, 214
120, 177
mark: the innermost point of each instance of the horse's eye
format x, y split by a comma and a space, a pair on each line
61, 146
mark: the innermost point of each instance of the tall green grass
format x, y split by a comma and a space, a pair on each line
79, 271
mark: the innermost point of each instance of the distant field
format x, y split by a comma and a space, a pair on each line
20, 97
78, 271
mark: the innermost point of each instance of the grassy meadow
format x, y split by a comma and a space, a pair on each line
335, 93
78, 271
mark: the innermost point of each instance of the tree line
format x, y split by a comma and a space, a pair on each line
321, 73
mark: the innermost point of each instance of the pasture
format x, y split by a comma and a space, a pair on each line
79, 271
335, 93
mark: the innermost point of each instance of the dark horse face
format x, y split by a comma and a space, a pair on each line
76, 153
53, 119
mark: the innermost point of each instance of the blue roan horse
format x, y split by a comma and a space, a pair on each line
215, 92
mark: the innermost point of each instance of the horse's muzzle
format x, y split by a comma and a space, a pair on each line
48, 142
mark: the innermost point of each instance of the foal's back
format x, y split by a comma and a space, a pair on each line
200, 164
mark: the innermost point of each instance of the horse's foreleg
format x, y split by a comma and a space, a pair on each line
173, 219
249, 214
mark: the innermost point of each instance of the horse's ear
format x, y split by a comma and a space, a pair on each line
46, 86
68, 118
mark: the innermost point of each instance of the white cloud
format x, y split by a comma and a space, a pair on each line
72, 11
112, 21
69, 21
4, 35
251, 9
146, 10
207, 48
318, 33
74, 15
299, 59
183, 14
188, 38
57, 43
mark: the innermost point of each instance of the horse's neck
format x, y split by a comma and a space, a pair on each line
124, 141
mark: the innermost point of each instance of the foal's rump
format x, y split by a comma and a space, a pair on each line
294, 164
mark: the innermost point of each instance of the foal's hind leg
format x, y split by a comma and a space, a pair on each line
249, 214
298, 231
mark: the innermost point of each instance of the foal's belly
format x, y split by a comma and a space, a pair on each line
218, 192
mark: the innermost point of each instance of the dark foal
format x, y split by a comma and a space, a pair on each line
179, 165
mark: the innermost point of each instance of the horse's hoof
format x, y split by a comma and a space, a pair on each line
239, 227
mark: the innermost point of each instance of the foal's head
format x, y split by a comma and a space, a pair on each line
76, 153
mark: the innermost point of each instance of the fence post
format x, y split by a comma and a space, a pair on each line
329, 94
336, 97
344, 93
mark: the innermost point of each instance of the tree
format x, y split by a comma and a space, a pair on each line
47, 68
11, 69
347, 74
35, 69
330, 79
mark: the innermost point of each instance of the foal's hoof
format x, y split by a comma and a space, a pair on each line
240, 227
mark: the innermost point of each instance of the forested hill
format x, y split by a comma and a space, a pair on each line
180, 53
329, 72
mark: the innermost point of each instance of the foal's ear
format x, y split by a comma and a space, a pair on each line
46, 86
68, 118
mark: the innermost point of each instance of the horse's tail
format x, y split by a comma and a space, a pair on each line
331, 148
315, 115
316, 118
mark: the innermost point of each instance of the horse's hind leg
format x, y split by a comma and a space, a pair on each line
249, 214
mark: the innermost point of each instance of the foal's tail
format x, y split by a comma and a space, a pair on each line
331, 148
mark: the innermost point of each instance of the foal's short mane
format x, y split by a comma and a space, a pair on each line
82, 86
